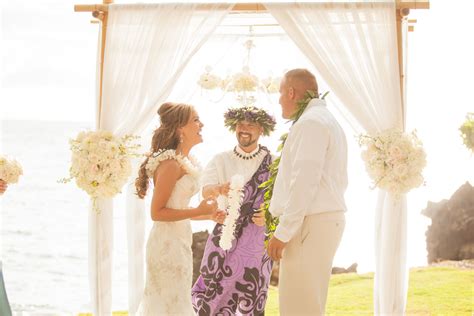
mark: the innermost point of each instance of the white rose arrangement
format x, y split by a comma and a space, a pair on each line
101, 162
10, 170
394, 160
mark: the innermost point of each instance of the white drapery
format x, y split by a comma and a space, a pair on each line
354, 48
147, 48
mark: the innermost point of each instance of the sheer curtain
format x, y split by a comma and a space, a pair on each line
147, 48
354, 48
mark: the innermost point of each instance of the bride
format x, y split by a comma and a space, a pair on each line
175, 176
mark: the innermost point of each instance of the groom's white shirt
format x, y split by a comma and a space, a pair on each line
312, 174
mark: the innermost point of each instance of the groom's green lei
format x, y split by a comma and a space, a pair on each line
270, 221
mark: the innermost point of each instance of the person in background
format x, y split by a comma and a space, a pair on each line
5, 309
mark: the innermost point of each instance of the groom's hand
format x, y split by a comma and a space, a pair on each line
258, 218
275, 248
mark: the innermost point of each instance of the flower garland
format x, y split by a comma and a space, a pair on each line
10, 170
394, 160
234, 201
467, 131
101, 163
251, 114
189, 164
271, 222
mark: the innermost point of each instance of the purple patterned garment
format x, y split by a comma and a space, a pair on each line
235, 282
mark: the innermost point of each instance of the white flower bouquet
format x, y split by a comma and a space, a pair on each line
101, 162
10, 170
394, 160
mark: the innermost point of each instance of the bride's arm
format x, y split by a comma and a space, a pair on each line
215, 189
218, 216
165, 178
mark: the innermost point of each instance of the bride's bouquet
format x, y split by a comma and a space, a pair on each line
101, 162
10, 170
394, 160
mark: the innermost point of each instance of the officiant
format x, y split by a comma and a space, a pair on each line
228, 276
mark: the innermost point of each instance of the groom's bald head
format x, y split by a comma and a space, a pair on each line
301, 80
293, 87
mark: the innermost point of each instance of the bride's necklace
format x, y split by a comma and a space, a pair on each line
247, 156
189, 164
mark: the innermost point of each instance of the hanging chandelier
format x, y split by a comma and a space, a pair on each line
243, 84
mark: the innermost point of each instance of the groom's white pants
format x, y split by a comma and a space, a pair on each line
305, 267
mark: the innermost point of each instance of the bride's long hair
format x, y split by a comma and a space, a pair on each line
172, 117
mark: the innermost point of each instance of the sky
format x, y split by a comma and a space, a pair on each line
48, 73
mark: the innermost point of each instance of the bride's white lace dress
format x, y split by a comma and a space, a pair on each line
169, 259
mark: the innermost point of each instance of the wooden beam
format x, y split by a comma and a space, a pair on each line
254, 7
103, 17
401, 17
400, 4
91, 7
413, 4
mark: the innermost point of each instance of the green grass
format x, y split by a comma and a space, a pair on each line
432, 291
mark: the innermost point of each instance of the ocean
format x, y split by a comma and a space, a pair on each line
43, 222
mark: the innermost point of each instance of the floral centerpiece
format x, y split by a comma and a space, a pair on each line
467, 131
10, 170
394, 160
101, 162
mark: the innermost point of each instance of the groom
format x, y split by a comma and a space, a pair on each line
4, 304
308, 198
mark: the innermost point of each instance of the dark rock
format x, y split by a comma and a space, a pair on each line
451, 233
466, 251
335, 270
275, 273
199, 244
351, 269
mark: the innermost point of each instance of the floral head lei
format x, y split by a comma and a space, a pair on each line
251, 114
